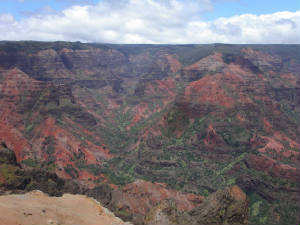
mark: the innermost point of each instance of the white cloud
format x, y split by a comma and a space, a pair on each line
151, 21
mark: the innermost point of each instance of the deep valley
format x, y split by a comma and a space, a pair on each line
144, 128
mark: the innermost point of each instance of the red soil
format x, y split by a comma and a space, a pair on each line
212, 138
174, 63
274, 168
15, 141
208, 90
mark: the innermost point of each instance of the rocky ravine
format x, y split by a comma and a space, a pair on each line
144, 123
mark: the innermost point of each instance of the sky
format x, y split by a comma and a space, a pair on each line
152, 21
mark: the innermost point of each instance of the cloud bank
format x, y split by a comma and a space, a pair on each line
151, 21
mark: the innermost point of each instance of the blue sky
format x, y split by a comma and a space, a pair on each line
151, 21
21, 8
222, 8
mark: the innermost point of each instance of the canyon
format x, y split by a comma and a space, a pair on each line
150, 129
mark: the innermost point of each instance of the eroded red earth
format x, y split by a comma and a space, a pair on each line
229, 86
140, 196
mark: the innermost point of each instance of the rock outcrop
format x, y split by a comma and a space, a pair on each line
228, 206
139, 197
35, 208
225, 207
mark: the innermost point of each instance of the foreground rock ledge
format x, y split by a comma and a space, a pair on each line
36, 208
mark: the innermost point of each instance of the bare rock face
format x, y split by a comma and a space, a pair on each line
224, 207
164, 213
36, 208
136, 199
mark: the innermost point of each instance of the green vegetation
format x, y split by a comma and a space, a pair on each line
231, 164
189, 146
91, 168
69, 169
49, 145
35, 46
48, 165
177, 120
8, 172
30, 162
119, 172
118, 178
255, 208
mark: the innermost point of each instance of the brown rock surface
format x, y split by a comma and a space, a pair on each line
164, 213
38, 208
149, 194
224, 207
135, 200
